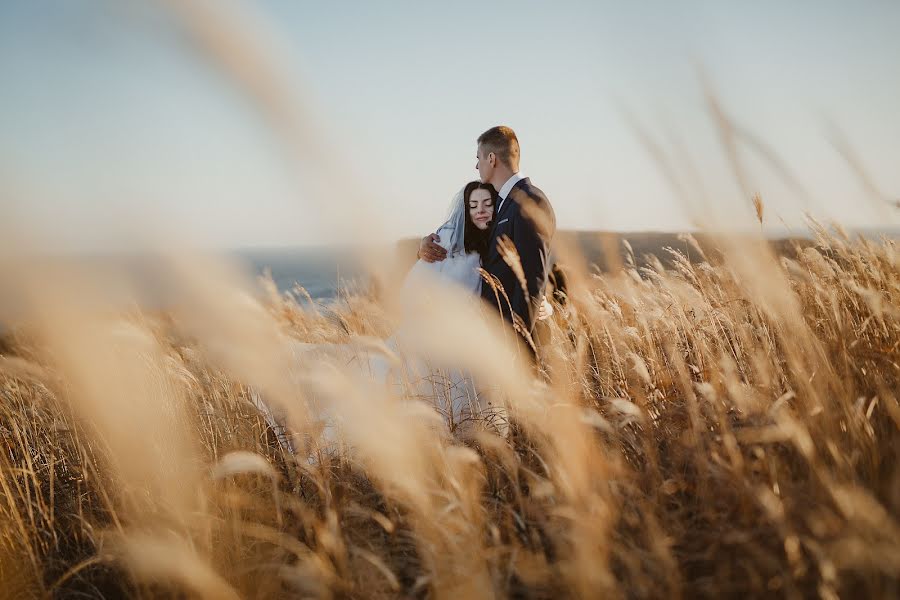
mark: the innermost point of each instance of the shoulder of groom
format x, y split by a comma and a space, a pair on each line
534, 206
526, 190
534, 192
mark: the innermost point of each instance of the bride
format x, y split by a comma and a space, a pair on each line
465, 237
452, 393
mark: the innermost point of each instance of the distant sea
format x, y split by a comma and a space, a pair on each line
320, 271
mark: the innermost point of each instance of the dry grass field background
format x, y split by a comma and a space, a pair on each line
726, 428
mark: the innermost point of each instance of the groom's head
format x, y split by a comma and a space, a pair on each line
498, 155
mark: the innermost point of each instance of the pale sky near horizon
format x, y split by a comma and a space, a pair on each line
110, 119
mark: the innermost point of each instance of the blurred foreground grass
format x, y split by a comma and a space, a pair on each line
723, 428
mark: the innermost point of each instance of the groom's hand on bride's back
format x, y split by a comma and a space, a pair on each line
430, 251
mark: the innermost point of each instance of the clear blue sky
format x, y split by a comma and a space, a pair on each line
109, 114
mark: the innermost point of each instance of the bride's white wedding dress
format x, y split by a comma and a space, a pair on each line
451, 392
459, 268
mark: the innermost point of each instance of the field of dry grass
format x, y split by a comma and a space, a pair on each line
721, 429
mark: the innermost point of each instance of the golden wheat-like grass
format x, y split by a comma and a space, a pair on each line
726, 428
707, 429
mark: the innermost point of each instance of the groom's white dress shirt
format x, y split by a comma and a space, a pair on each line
507, 187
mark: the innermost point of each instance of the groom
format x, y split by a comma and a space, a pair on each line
523, 217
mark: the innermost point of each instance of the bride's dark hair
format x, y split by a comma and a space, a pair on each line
474, 239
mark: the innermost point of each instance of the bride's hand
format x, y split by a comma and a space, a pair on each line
429, 251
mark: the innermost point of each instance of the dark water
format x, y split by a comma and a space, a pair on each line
320, 271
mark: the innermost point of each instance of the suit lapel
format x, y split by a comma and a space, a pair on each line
504, 210
503, 213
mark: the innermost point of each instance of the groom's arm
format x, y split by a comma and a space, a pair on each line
429, 250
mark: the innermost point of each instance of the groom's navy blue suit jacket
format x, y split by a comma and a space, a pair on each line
527, 219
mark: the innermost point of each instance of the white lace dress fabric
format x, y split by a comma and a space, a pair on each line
451, 392
458, 269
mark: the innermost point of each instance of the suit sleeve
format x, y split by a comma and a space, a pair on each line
533, 247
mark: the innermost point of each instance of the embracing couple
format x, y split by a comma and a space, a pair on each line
502, 224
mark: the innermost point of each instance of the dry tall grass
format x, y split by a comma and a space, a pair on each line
727, 428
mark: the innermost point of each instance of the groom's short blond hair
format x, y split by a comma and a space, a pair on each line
502, 141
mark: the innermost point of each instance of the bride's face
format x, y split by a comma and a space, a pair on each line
481, 208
